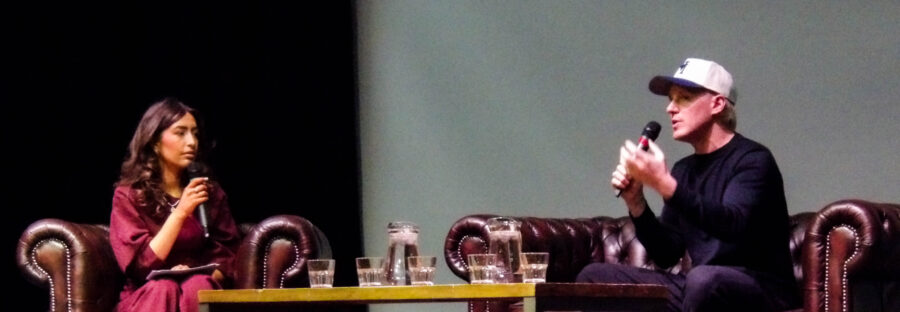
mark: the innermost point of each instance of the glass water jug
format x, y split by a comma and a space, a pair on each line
506, 242
403, 237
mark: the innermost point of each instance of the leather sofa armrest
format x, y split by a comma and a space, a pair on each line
849, 240
571, 243
468, 235
74, 261
274, 253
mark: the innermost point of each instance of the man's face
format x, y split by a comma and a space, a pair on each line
691, 112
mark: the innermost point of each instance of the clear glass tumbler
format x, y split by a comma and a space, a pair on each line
421, 269
483, 269
370, 271
321, 273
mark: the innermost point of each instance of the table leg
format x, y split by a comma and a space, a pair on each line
529, 304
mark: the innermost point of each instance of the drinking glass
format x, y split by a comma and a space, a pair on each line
534, 266
321, 273
483, 269
421, 269
370, 271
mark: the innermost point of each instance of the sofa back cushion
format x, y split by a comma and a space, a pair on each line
574, 243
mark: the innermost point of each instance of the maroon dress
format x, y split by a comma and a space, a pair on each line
130, 232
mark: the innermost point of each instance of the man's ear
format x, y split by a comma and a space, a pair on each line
718, 104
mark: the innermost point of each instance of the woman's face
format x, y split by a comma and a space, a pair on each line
177, 145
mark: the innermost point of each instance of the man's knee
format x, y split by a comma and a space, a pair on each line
711, 288
600, 273
703, 278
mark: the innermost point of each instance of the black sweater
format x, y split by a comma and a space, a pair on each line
728, 209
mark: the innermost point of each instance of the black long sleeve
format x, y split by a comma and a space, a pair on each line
664, 244
729, 208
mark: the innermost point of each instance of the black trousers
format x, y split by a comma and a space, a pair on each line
705, 287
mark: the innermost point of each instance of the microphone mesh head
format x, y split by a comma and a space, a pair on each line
651, 130
195, 169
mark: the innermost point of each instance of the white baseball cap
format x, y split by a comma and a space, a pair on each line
696, 73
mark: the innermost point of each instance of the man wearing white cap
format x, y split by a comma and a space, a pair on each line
724, 206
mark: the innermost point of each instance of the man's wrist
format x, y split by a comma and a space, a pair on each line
637, 207
666, 186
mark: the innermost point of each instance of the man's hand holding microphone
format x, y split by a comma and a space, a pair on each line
640, 164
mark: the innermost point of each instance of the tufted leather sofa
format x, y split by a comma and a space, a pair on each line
846, 256
76, 262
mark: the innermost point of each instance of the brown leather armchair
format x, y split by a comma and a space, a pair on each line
846, 256
76, 262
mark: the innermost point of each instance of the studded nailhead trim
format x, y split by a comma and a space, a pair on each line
296, 263
844, 282
50, 278
284, 273
265, 266
458, 251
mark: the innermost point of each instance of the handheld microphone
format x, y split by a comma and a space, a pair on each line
195, 170
650, 132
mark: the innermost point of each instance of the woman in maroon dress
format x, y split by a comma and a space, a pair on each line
153, 224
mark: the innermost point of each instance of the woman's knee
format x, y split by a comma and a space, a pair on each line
198, 282
163, 286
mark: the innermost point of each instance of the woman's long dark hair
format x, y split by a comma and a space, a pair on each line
141, 169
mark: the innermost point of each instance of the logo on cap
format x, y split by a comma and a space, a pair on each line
683, 65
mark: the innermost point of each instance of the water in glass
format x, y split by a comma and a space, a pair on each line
534, 273
321, 279
483, 274
370, 277
421, 275
370, 271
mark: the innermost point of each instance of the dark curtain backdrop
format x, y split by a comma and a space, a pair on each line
275, 85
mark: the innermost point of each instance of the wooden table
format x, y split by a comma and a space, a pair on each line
537, 297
